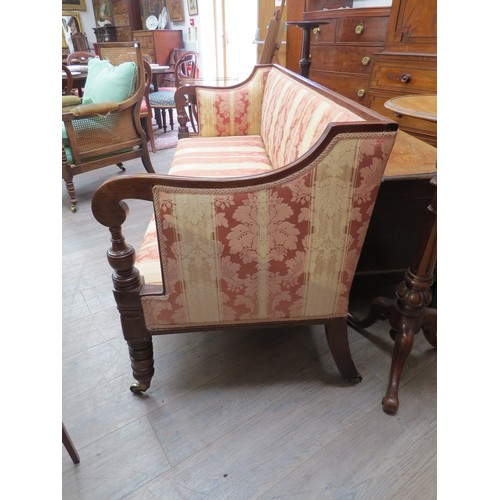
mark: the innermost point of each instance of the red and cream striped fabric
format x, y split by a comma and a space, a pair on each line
226, 111
220, 157
294, 117
282, 251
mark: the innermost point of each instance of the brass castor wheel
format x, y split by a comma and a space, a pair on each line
73, 208
139, 388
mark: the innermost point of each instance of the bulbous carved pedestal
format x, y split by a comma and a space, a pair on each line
408, 313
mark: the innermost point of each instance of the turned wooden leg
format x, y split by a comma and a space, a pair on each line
70, 447
68, 179
171, 118
336, 335
141, 356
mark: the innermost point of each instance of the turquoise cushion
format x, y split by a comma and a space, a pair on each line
108, 83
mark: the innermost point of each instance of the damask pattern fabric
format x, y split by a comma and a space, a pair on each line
227, 112
221, 157
294, 117
287, 250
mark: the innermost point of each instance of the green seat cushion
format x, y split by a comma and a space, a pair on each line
108, 83
162, 98
70, 100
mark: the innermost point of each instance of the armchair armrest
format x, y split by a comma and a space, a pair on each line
101, 108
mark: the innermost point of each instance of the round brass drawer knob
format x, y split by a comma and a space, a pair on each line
359, 29
361, 92
405, 78
366, 60
316, 31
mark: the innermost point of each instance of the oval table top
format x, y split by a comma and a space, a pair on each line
417, 106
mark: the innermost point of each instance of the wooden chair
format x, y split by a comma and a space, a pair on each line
81, 58
109, 132
67, 85
80, 42
146, 112
163, 99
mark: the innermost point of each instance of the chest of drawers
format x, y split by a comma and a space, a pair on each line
408, 64
158, 44
342, 51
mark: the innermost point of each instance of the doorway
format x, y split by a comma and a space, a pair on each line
235, 25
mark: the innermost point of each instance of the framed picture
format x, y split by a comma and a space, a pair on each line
102, 13
193, 7
74, 5
175, 10
71, 23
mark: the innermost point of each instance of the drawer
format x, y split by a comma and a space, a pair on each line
406, 77
344, 59
353, 86
362, 30
324, 33
423, 129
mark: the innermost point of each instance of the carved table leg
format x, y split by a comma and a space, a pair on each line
408, 314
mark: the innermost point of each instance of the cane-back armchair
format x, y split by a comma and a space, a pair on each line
105, 129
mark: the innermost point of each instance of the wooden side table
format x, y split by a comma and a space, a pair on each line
409, 313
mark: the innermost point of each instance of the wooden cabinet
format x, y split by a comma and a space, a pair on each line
408, 64
342, 51
159, 43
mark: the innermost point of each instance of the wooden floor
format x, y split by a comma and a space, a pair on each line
229, 415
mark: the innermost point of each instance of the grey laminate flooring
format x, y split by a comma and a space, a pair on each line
229, 415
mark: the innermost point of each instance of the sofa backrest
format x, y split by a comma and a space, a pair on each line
228, 111
294, 116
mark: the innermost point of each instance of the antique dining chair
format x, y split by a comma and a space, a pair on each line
80, 58
106, 128
67, 83
163, 98
146, 112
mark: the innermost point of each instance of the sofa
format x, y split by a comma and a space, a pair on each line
260, 221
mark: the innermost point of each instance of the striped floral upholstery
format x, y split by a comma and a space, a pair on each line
220, 157
224, 112
286, 250
294, 117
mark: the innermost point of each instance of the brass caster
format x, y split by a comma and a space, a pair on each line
357, 379
73, 208
138, 388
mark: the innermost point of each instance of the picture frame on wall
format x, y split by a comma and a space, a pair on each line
175, 10
74, 5
71, 24
193, 7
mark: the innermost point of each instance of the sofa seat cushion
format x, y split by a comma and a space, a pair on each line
233, 156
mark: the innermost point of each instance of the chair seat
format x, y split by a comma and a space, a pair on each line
162, 98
